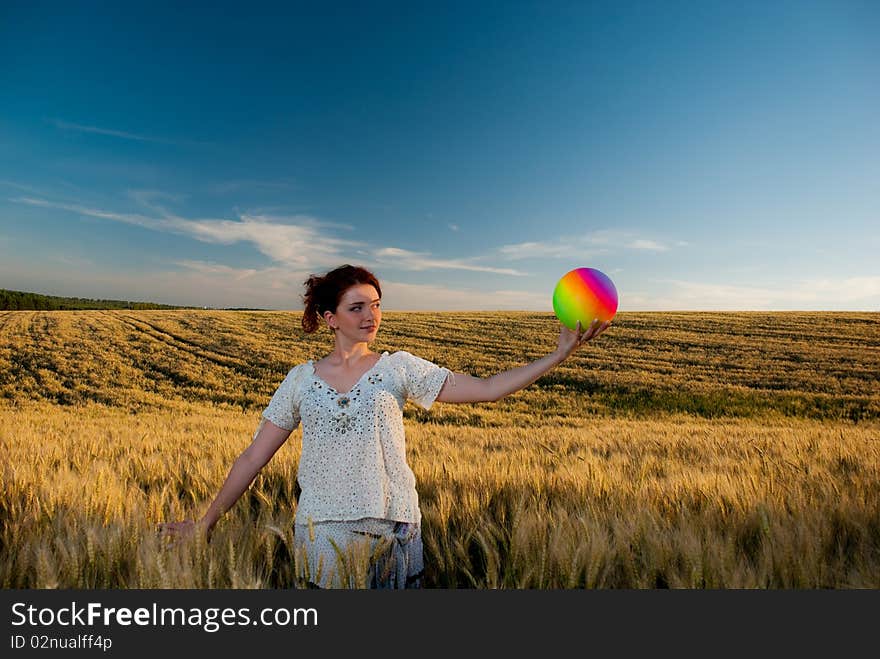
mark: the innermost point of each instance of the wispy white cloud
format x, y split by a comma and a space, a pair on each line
152, 200
543, 250
299, 218
579, 246
80, 128
121, 134
301, 245
126, 218
35, 191
301, 242
147, 197
19, 186
409, 260
207, 268
648, 245
453, 227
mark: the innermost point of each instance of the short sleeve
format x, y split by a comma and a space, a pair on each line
283, 409
422, 380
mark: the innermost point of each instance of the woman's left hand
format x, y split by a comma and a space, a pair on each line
570, 340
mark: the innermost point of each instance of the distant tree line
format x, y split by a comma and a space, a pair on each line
22, 301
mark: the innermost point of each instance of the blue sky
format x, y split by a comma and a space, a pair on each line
703, 155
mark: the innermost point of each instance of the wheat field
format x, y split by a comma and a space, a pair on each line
680, 450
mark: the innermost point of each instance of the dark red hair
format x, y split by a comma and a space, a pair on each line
323, 292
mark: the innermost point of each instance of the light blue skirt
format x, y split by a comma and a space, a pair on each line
362, 553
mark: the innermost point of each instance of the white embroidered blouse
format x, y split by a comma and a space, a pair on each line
353, 459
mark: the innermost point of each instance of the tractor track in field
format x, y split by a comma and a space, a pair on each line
182, 344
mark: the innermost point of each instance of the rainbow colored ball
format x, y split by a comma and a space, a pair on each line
582, 295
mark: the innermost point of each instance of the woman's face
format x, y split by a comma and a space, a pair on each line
358, 314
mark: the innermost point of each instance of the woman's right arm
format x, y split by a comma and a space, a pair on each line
267, 440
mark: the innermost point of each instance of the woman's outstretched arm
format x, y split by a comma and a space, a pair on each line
463, 388
267, 440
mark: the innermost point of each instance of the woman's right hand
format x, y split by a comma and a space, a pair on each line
177, 531
571, 340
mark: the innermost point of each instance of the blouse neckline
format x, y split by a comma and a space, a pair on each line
354, 386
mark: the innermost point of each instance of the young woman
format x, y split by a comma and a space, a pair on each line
357, 518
